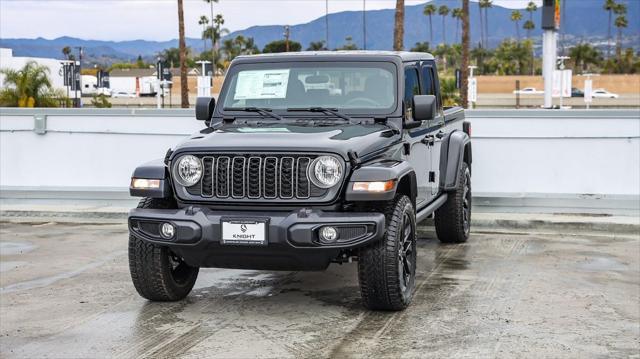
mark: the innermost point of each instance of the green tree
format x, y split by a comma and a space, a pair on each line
584, 55
485, 5
140, 63
214, 48
512, 57
429, 11
443, 11
609, 6
281, 46
349, 44
237, 46
516, 16
457, 14
171, 57
215, 32
29, 87
204, 21
66, 51
421, 47
100, 101
530, 25
479, 54
620, 22
316, 46
449, 92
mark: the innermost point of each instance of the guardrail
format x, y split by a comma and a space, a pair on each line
524, 160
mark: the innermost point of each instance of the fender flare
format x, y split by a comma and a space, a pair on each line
452, 152
155, 169
401, 171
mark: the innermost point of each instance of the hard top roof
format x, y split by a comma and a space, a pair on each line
364, 55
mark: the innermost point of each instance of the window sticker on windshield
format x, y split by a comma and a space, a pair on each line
262, 84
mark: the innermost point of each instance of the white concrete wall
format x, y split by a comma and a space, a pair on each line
520, 158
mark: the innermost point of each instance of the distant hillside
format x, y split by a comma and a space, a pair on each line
585, 20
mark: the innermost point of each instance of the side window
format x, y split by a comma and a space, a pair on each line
429, 82
411, 87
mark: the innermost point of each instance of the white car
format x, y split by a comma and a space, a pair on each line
602, 93
528, 91
123, 94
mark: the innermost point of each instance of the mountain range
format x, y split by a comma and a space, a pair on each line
585, 20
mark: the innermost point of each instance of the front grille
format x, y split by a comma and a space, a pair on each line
229, 177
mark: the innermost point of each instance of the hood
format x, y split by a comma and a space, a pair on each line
279, 137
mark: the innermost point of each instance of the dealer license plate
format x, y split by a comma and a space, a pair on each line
244, 232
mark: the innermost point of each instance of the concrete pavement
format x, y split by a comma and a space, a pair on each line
65, 292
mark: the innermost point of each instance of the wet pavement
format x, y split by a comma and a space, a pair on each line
65, 292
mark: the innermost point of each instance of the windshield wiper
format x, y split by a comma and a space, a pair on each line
262, 111
325, 110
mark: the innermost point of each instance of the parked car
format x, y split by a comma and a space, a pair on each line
602, 93
283, 178
528, 91
576, 92
122, 94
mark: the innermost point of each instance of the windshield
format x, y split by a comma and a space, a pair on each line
363, 87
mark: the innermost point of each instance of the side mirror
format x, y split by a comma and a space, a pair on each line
424, 107
204, 108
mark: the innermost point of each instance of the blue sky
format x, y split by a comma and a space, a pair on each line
157, 20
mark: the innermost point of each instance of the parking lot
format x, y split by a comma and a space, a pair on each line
66, 292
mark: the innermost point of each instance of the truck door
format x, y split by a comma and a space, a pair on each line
435, 126
419, 153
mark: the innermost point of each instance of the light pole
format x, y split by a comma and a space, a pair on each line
326, 23
561, 67
550, 25
364, 24
473, 87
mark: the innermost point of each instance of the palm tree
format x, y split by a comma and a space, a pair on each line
481, 24
215, 32
620, 22
204, 20
609, 5
430, 10
28, 87
530, 25
457, 14
316, 46
486, 5
213, 43
583, 55
516, 16
184, 86
398, 29
443, 11
464, 66
66, 51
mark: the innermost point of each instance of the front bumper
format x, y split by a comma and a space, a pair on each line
292, 237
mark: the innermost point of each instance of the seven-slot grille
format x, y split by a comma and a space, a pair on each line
256, 176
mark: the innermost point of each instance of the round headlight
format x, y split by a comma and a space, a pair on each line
325, 171
188, 170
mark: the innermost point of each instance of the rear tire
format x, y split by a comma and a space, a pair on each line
387, 268
453, 219
156, 272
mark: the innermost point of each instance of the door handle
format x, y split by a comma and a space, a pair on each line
428, 140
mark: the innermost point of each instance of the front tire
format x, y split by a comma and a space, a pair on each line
387, 268
453, 219
157, 273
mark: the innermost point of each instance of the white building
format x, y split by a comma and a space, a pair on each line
133, 80
7, 60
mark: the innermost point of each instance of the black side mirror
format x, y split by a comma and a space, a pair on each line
424, 107
204, 108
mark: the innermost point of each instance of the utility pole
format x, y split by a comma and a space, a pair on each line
287, 33
326, 23
550, 26
364, 24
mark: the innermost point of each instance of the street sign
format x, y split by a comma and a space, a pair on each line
472, 92
588, 90
561, 83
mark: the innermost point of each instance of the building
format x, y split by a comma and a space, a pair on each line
7, 60
140, 81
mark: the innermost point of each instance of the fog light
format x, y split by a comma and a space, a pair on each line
167, 230
328, 234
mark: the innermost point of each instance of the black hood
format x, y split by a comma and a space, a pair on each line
282, 137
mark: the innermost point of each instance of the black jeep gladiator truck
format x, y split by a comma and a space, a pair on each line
307, 159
